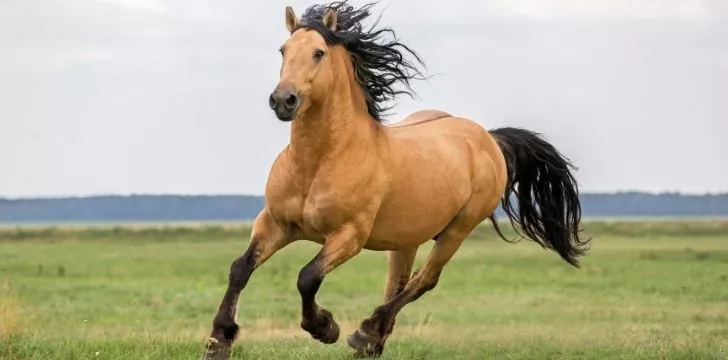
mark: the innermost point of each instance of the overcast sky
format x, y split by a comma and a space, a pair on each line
170, 96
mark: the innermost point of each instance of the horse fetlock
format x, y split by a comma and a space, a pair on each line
376, 323
225, 330
217, 349
366, 344
218, 346
231, 331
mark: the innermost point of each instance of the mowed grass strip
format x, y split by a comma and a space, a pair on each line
647, 290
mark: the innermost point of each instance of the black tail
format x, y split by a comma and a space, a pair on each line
549, 211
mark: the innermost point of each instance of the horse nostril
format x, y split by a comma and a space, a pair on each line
272, 101
291, 100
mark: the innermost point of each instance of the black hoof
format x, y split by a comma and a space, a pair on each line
323, 328
366, 346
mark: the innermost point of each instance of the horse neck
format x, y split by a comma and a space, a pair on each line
340, 123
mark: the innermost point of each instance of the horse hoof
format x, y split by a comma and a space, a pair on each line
332, 334
216, 350
325, 331
366, 346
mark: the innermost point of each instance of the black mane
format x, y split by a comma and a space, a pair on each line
379, 62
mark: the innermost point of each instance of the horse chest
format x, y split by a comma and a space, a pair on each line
318, 205
323, 212
313, 214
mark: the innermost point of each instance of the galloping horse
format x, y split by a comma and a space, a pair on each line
349, 182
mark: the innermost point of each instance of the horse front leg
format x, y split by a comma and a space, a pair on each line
265, 240
339, 247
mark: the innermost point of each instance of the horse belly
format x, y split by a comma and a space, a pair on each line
403, 237
415, 217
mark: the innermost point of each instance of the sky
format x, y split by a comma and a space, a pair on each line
170, 96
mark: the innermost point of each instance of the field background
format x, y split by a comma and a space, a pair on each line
647, 290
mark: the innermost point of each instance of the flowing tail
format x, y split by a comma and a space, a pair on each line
548, 211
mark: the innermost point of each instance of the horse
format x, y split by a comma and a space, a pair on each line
348, 181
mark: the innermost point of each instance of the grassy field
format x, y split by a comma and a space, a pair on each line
647, 290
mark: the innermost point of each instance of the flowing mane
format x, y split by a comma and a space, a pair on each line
378, 59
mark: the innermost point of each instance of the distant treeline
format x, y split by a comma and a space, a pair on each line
239, 207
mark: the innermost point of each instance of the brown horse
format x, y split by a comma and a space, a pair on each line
348, 182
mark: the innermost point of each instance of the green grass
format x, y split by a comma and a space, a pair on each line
647, 290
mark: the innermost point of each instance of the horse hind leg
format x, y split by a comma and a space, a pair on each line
400, 269
368, 340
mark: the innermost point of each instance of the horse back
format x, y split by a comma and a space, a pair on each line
422, 116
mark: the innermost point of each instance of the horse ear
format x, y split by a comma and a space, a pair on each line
330, 20
291, 19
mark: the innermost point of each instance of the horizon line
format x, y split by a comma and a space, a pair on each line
99, 195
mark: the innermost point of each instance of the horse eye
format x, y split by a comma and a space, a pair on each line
318, 54
281, 50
